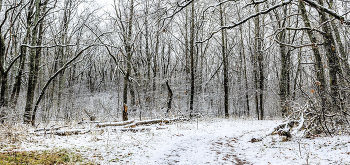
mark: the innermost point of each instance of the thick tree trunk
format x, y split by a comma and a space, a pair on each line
341, 48
285, 68
4, 86
37, 63
18, 79
244, 66
259, 74
62, 51
343, 59
17, 86
225, 62
34, 59
333, 60
192, 38
128, 49
3, 75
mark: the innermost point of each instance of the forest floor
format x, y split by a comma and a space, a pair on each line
210, 141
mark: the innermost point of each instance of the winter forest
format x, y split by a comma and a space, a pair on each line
275, 72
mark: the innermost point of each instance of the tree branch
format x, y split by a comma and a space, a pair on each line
246, 19
329, 11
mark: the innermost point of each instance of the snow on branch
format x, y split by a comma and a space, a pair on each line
306, 28
329, 11
298, 46
47, 46
181, 7
254, 3
218, 4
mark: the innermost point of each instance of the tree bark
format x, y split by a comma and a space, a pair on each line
2, 71
192, 38
62, 51
333, 61
170, 97
285, 68
225, 62
128, 49
34, 56
259, 74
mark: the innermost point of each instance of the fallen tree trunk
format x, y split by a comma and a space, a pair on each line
68, 132
114, 123
63, 133
154, 121
49, 129
144, 129
282, 129
90, 122
71, 132
127, 126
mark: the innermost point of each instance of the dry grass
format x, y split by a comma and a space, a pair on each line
41, 157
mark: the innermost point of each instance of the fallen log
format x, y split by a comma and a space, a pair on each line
90, 122
161, 127
144, 129
49, 129
154, 121
114, 123
282, 129
71, 132
63, 133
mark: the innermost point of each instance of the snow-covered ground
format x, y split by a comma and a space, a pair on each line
215, 141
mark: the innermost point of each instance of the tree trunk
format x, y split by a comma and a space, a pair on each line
3, 76
244, 66
170, 95
259, 74
34, 59
318, 60
18, 79
225, 63
285, 68
333, 61
148, 55
192, 59
17, 86
62, 51
128, 49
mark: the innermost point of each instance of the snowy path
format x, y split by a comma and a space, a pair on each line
200, 150
216, 141
196, 149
